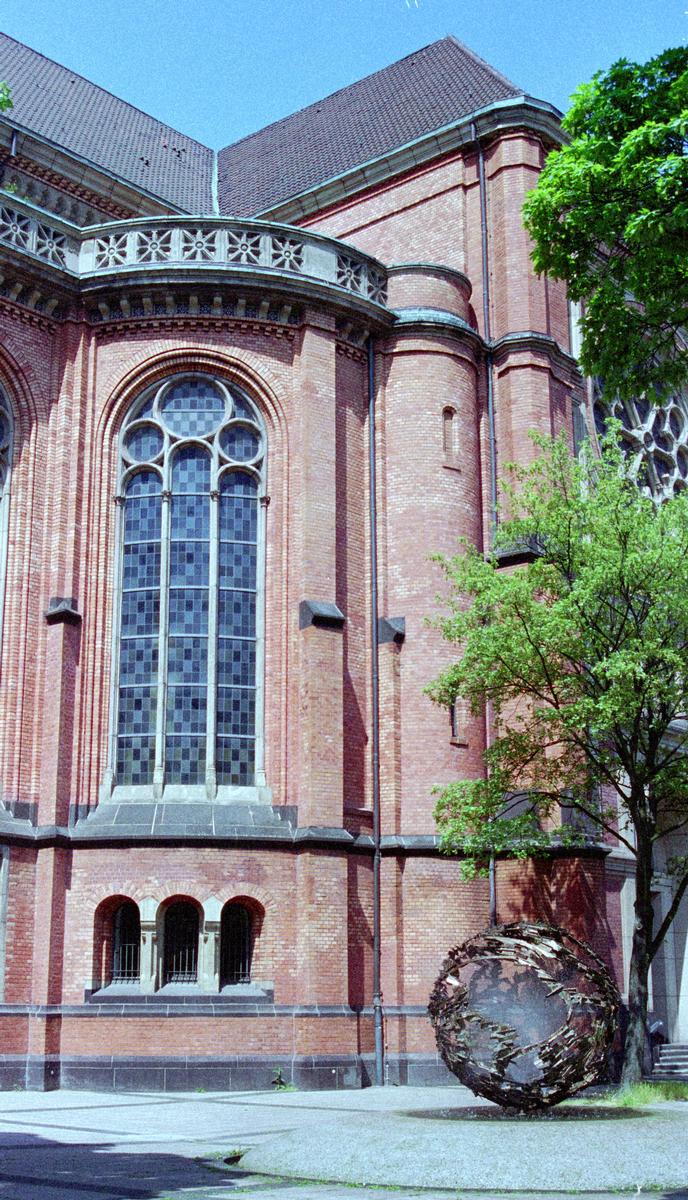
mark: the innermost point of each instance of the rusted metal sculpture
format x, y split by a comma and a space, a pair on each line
524, 1015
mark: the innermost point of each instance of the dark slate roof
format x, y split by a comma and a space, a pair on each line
65, 108
433, 87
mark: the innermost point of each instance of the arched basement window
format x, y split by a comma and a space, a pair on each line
235, 945
189, 695
126, 943
180, 963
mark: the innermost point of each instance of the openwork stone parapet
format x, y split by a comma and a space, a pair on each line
142, 249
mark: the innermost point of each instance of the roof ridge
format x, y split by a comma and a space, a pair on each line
106, 91
348, 86
483, 61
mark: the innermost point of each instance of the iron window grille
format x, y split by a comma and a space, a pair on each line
180, 963
235, 945
126, 944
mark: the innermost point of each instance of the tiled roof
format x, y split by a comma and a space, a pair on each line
431, 88
65, 108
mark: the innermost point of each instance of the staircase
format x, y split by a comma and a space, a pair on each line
672, 1062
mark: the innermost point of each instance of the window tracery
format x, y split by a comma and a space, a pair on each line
190, 619
655, 438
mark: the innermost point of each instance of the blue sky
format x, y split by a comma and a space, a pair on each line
218, 69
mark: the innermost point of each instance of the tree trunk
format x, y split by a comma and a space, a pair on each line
635, 1046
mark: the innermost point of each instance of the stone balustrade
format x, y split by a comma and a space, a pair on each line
204, 244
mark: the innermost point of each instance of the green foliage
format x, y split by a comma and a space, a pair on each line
5, 97
582, 656
610, 217
636, 1095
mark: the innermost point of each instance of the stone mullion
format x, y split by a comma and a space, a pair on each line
259, 681
111, 768
212, 647
161, 712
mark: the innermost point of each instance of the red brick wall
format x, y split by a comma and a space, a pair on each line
71, 385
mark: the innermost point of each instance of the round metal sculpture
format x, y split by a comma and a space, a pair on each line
524, 1015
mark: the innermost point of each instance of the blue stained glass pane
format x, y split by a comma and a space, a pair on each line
240, 443
238, 519
235, 761
146, 408
190, 517
138, 662
143, 483
236, 709
237, 614
142, 518
185, 759
237, 565
238, 483
236, 663
241, 407
186, 710
187, 660
140, 611
4, 430
193, 408
189, 564
136, 713
135, 760
141, 565
144, 443
189, 610
190, 471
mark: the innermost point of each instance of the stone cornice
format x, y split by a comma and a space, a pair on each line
531, 341
277, 837
78, 172
194, 255
434, 322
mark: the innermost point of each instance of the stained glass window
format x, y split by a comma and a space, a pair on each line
191, 477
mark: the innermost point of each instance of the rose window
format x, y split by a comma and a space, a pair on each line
654, 439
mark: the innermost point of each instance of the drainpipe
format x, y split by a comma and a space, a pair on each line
487, 332
489, 365
375, 716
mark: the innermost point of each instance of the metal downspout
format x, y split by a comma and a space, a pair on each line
375, 717
489, 367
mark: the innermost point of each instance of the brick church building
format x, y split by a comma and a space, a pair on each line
244, 395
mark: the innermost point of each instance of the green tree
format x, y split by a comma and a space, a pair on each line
582, 656
5, 97
610, 217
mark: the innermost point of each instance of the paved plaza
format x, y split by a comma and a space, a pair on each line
379, 1144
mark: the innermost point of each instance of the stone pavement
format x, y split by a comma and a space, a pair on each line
162, 1146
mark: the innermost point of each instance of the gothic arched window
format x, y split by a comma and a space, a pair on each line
188, 710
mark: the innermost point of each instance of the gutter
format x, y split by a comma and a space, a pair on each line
516, 110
